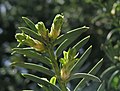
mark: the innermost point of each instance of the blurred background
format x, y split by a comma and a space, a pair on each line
102, 16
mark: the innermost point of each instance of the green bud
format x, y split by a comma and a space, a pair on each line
53, 80
68, 62
21, 37
56, 26
24, 39
58, 21
27, 40
65, 74
39, 46
41, 29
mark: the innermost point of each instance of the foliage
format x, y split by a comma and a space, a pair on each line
112, 50
41, 43
102, 16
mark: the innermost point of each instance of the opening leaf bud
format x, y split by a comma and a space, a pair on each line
42, 29
27, 40
56, 26
39, 46
65, 74
21, 37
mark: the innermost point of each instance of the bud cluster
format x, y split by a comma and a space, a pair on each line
25, 39
67, 63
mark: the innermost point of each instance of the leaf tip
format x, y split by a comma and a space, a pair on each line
23, 74
90, 46
12, 49
23, 17
85, 27
88, 36
13, 52
12, 64
101, 59
19, 27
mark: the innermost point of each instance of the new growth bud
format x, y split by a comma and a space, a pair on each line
20, 37
65, 74
67, 63
42, 29
24, 39
27, 40
56, 26
39, 46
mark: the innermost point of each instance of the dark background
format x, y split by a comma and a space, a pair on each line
95, 14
